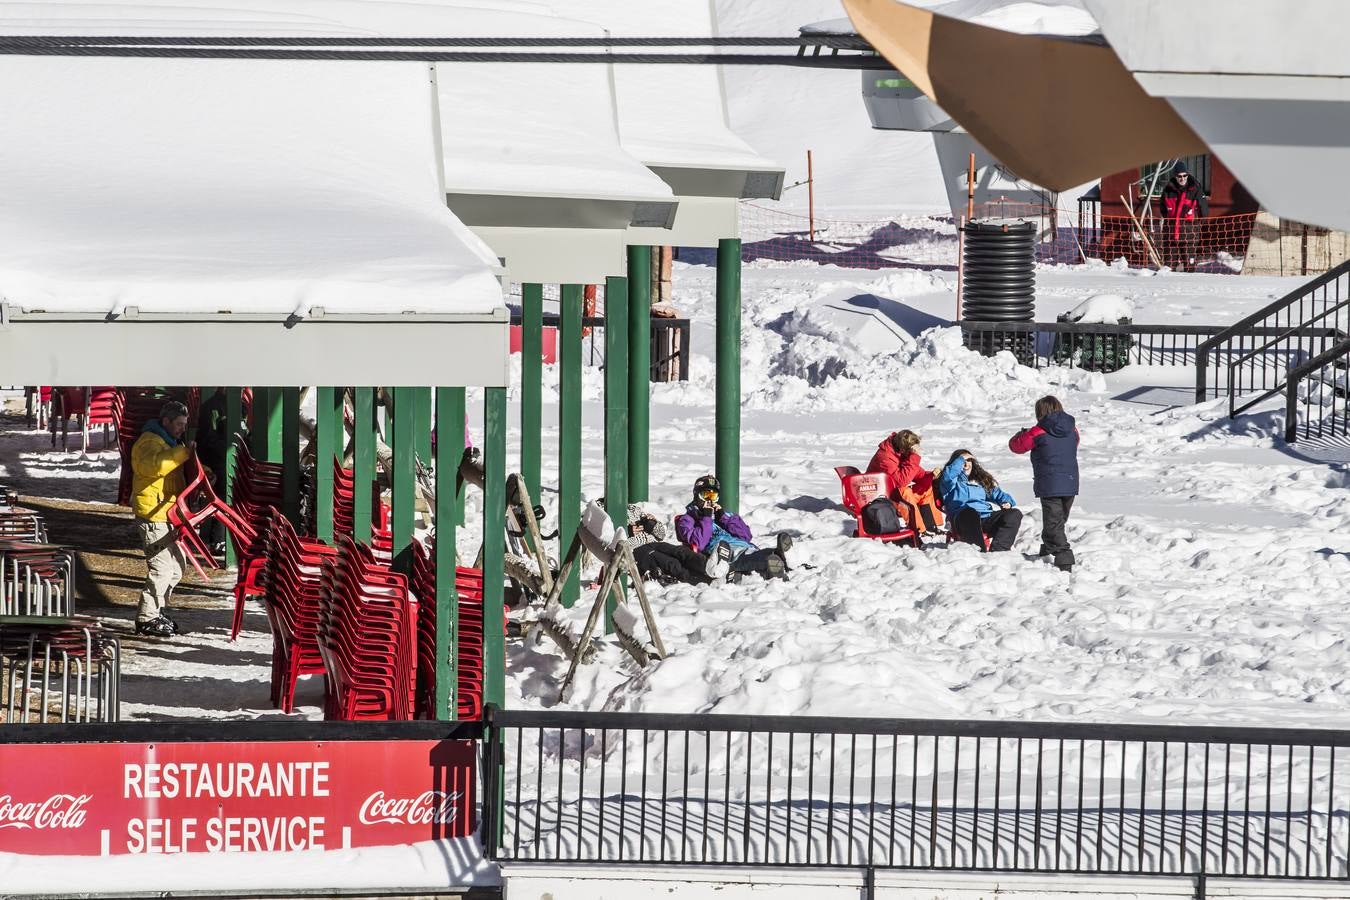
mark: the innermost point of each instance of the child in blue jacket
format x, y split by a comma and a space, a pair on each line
975, 505
1053, 444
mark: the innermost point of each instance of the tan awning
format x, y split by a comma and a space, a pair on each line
1056, 111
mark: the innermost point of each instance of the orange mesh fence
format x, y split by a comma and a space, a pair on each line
1252, 243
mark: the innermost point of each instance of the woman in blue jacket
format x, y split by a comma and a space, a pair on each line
975, 505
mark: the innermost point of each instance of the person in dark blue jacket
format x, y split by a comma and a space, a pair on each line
975, 505
1053, 444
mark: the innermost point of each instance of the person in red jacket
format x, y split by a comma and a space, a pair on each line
1183, 201
909, 486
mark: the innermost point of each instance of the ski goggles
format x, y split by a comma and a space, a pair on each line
708, 494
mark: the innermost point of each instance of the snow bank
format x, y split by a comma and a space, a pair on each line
1101, 309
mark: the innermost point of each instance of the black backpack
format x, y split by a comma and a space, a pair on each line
880, 517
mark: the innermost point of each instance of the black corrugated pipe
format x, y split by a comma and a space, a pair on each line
999, 283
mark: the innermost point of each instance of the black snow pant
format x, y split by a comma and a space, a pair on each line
671, 563
1054, 519
764, 563
1001, 525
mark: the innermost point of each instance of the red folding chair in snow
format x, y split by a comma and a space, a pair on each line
861, 489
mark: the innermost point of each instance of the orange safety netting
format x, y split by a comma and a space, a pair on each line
1252, 243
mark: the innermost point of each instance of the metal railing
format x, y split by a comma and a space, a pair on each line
1252, 358
617, 788
1316, 396
1103, 348
670, 344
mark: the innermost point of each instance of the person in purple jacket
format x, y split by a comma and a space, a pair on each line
707, 528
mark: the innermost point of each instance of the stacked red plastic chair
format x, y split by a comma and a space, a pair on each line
138, 406
367, 637
293, 576
469, 643
344, 512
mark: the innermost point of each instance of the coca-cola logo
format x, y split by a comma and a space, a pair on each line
428, 808
57, 811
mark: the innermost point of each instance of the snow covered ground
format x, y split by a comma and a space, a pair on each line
1210, 557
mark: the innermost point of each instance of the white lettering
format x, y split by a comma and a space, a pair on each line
131, 780
427, 808
57, 811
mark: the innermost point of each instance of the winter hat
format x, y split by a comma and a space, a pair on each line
1180, 169
708, 483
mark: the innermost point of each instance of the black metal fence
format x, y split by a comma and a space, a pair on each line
670, 344
1316, 397
1251, 359
919, 794
1099, 348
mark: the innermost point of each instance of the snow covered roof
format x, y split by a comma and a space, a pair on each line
675, 116
269, 189
1063, 18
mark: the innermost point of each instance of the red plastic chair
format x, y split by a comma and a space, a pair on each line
861, 489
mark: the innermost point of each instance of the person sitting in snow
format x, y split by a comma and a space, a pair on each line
708, 529
668, 563
976, 505
909, 487
1053, 444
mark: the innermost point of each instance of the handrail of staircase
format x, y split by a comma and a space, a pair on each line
1203, 349
1296, 376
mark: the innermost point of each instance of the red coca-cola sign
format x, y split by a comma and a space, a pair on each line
99, 799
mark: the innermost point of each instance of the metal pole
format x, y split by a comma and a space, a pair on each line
639, 369
810, 197
234, 402
728, 423
257, 423
616, 413
290, 453
422, 424
363, 463
531, 383
327, 447
449, 449
272, 416
970, 189
569, 430
403, 438
494, 546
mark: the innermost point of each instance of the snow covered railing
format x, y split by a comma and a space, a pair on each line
1188, 801
1252, 357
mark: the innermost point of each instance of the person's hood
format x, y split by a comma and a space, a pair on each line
1057, 424
886, 444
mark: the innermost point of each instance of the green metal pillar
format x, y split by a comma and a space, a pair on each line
290, 453
728, 424
404, 441
494, 546
363, 463
422, 424
616, 413
257, 423
569, 430
449, 449
531, 383
639, 369
273, 415
234, 415
328, 440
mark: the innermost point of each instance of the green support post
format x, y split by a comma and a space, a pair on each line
290, 453
403, 438
728, 423
531, 384
616, 414
234, 416
569, 430
639, 369
422, 424
272, 417
449, 449
328, 440
257, 423
363, 463
494, 546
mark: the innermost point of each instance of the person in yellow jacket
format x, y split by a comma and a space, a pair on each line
157, 460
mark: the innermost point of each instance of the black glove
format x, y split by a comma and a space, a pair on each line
704, 511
